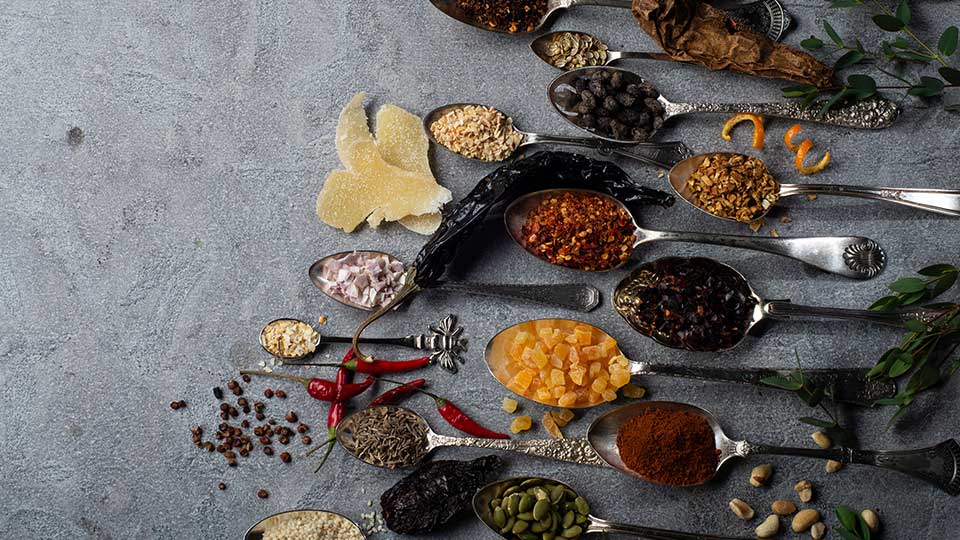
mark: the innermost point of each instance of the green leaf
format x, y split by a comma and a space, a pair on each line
943, 284
864, 528
901, 43
779, 381
885, 304
845, 3
888, 23
903, 12
900, 366
816, 422
836, 98
799, 90
935, 270
832, 33
948, 41
950, 74
928, 87
914, 325
913, 298
812, 43
847, 535
848, 59
913, 56
908, 285
847, 517
887, 401
862, 86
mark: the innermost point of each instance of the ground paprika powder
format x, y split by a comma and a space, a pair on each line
669, 447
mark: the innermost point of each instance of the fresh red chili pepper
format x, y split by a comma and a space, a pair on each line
459, 419
398, 394
378, 367
323, 389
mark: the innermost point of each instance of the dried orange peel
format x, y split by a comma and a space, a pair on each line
758, 132
788, 137
802, 151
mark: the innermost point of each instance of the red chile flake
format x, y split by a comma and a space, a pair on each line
669, 447
505, 15
580, 230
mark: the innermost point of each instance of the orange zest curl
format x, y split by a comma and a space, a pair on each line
802, 151
758, 131
788, 137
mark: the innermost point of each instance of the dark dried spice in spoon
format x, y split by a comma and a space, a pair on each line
505, 15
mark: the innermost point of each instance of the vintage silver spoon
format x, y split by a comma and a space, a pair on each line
485, 496
575, 296
829, 253
940, 201
874, 113
663, 155
845, 385
766, 16
628, 300
938, 465
260, 529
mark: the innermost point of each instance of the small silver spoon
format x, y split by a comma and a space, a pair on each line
628, 299
828, 253
663, 155
874, 113
482, 507
575, 296
846, 385
259, 529
541, 47
938, 465
940, 201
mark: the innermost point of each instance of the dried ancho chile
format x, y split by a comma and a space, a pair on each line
687, 303
435, 494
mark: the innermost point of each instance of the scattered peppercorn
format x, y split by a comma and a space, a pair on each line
217, 392
221, 486
306, 440
281, 394
178, 404
291, 417
268, 450
302, 428
268, 393
263, 494
285, 457
246, 378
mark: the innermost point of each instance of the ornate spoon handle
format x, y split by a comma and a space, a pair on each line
940, 201
573, 450
596, 524
938, 465
575, 296
851, 256
875, 113
786, 310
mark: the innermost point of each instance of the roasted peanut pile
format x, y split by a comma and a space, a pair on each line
733, 186
477, 132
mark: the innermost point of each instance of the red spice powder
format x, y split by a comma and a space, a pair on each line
669, 447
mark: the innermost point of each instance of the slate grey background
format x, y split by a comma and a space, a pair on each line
138, 266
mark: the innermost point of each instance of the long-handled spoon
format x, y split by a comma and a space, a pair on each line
850, 256
940, 201
483, 507
670, 321
575, 296
938, 465
874, 113
844, 385
262, 527
663, 155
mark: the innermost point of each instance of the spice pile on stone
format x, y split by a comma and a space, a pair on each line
733, 186
582, 230
363, 278
613, 103
573, 50
311, 525
289, 338
477, 132
669, 447
505, 15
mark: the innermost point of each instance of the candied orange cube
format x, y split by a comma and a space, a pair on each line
556, 361
609, 395
550, 424
556, 378
563, 416
594, 397
567, 400
549, 337
539, 357
516, 350
521, 423
570, 338
523, 338
509, 405
592, 352
595, 368
558, 391
576, 374
521, 381
544, 395
542, 324
562, 350
583, 335
598, 385
609, 346
619, 378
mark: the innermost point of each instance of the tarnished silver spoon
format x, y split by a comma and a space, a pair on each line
260, 529
938, 465
939, 201
663, 155
828, 253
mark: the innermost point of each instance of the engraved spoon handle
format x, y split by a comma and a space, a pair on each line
787, 310
940, 201
843, 255
575, 296
597, 525
573, 450
875, 113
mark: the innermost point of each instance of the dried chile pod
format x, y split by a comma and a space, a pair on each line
542, 170
435, 493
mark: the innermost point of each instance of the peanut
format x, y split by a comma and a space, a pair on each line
804, 490
804, 519
872, 519
741, 509
761, 474
833, 466
769, 528
818, 530
822, 439
783, 507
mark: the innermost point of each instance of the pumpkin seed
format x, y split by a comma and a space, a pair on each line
529, 536
549, 535
556, 494
508, 526
520, 526
513, 507
542, 508
582, 505
526, 502
525, 516
499, 517
572, 532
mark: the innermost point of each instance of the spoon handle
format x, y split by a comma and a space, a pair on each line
785, 310
625, 4
850, 256
875, 113
940, 201
604, 526
659, 154
938, 465
613, 56
575, 296
573, 450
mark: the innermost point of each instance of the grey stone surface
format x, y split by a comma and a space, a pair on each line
139, 264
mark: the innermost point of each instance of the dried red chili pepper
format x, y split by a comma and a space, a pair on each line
459, 419
338, 408
323, 389
378, 367
398, 394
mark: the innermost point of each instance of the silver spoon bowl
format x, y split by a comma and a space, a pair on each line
259, 529
541, 47
938, 465
484, 497
939, 201
663, 155
628, 295
874, 113
828, 253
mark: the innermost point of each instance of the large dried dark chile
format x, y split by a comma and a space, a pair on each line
695, 304
435, 493
542, 170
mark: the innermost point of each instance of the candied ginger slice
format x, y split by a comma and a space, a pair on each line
423, 224
402, 141
352, 128
335, 202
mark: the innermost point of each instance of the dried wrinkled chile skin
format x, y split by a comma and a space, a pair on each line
435, 493
542, 170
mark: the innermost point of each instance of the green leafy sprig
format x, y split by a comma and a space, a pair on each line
852, 525
907, 47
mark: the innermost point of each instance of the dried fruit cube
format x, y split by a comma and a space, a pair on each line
523, 338
574, 355
539, 357
609, 346
563, 416
563, 351
551, 426
521, 381
516, 350
633, 391
619, 378
609, 394
584, 335
544, 395
510, 405
577, 373
592, 352
558, 391
598, 385
521, 423
595, 368
556, 361
567, 400
556, 378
